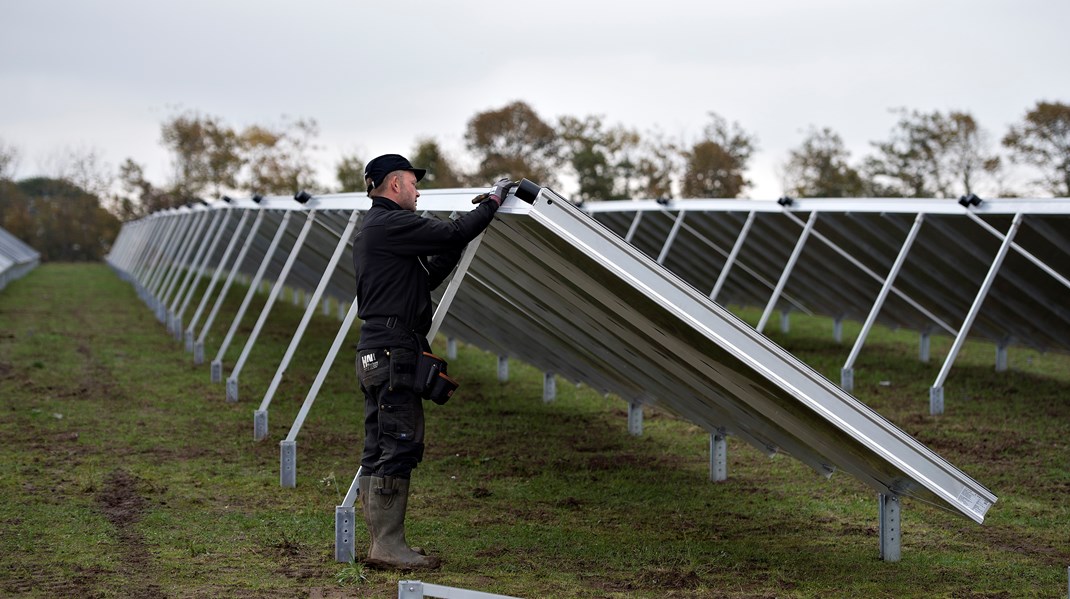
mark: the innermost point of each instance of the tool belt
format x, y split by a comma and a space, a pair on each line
432, 382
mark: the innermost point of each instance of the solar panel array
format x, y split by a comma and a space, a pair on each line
993, 270
549, 285
16, 258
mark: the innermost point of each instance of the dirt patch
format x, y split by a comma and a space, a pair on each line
18, 580
121, 503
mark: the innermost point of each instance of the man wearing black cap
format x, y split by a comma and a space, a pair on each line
399, 257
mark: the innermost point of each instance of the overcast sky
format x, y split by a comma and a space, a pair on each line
377, 76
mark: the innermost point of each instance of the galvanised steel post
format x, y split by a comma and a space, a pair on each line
936, 393
847, 372
672, 237
787, 270
731, 260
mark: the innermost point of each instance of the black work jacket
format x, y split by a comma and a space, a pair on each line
399, 257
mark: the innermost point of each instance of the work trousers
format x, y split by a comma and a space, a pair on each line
393, 412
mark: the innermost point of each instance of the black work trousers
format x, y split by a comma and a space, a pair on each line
393, 412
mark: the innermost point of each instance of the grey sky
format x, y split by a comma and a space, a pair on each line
378, 76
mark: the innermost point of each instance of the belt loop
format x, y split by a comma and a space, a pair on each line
390, 322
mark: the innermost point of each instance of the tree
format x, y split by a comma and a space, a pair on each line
138, 196
819, 168
600, 157
57, 218
441, 173
350, 174
82, 166
276, 159
649, 165
206, 155
9, 160
716, 163
1042, 140
931, 154
512, 142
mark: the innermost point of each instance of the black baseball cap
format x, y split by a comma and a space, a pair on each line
380, 167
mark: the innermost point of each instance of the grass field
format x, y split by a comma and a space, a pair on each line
125, 473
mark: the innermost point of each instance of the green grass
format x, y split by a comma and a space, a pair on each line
127, 474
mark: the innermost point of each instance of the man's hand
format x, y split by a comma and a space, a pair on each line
501, 189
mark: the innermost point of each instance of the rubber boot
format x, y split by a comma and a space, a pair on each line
389, 498
364, 485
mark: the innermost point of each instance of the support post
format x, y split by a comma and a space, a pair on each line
503, 369
288, 464
549, 387
344, 523
847, 373
847, 379
924, 347
455, 283
718, 456
890, 530
232, 388
260, 425
310, 397
785, 322
731, 260
837, 329
672, 236
936, 400
1001, 356
960, 339
635, 418
451, 348
634, 226
787, 271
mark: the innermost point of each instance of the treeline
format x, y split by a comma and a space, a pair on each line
926, 154
75, 213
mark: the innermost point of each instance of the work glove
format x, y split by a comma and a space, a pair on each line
501, 189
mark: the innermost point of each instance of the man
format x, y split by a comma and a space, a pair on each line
399, 257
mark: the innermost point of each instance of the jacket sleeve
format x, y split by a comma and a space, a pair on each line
411, 234
441, 265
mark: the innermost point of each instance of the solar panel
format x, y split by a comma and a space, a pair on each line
16, 258
552, 286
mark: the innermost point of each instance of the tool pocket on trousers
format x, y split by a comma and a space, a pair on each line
402, 368
398, 421
373, 368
